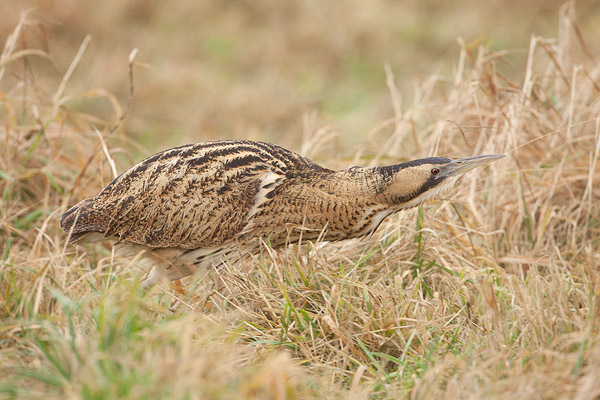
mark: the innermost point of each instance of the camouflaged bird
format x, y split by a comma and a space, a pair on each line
198, 204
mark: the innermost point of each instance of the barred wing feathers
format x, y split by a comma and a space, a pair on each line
194, 196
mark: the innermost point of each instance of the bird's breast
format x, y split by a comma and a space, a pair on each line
309, 212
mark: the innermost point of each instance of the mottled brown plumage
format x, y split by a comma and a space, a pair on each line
196, 204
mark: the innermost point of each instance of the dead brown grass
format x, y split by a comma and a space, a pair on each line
491, 294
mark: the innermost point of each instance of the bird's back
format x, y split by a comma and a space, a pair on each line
193, 196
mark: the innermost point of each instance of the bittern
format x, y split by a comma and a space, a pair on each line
198, 204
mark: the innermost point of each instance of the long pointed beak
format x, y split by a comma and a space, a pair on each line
459, 167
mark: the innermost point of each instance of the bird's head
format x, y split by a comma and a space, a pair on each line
412, 183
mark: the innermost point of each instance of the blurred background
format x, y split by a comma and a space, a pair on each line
269, 70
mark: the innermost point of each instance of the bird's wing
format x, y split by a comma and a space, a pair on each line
192, 196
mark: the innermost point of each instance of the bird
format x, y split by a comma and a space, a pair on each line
201, 204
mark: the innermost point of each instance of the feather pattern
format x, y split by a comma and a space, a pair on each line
191, 196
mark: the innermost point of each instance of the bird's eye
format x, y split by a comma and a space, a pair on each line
435, 171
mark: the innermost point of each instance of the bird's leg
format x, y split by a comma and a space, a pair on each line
155, 277
165, 269
177, 286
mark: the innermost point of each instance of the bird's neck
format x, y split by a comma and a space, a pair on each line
364, 184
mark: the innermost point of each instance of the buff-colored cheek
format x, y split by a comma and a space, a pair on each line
408, 183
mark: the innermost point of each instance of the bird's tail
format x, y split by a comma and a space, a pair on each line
76, 221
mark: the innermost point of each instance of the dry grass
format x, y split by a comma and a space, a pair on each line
491, 294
